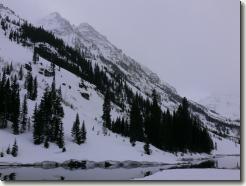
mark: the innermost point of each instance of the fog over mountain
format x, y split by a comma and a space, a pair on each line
179, 40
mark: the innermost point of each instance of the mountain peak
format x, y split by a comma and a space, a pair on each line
55, 15
56, 23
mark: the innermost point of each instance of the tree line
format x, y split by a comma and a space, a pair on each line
147, 122
176, 132
11, 110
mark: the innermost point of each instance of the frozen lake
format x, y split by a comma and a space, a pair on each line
9, 173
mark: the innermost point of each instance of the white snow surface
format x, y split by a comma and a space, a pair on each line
85, 38
94, 45
97, 147
195, 174
227, 105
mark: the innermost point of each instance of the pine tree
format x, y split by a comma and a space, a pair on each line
11, 67
136, 123
7, 102
106, 112
35, 89
14, 151
24, 115
38, 127
29, 124
155, 118
35, 57
76, 133
15, 106
47, 119
60, 137
83, 132
21, 73
147, 148
8, 151
58, 114
46, 143
29, 85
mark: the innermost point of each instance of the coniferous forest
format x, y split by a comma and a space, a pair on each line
146, 121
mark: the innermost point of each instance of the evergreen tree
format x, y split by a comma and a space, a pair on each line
58, 114
15, 106
11, 67
20, 73
155, 118
48, 118
35, 87
76, 133
46, 143
8, 151
147, 148
38, 126
35, 57
14, 151
24, 115
60, 137
106, 112
83, 132
136, 123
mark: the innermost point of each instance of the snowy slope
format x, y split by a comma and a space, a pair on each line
227, 105
112, 147
97, 48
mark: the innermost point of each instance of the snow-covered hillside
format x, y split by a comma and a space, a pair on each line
113, 147
98, 147
227, 105
97, 47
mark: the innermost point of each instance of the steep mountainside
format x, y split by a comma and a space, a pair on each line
96, 46
83, 94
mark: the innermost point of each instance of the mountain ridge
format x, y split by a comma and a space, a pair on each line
83, 97
115, 55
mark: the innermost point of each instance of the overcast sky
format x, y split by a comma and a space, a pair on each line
194, 45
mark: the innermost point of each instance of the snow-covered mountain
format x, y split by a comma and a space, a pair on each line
96, 46
98, 50
227, 105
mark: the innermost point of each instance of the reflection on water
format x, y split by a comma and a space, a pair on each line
9, 177
97, 173
31, 173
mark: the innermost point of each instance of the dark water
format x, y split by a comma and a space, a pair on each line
60, 173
